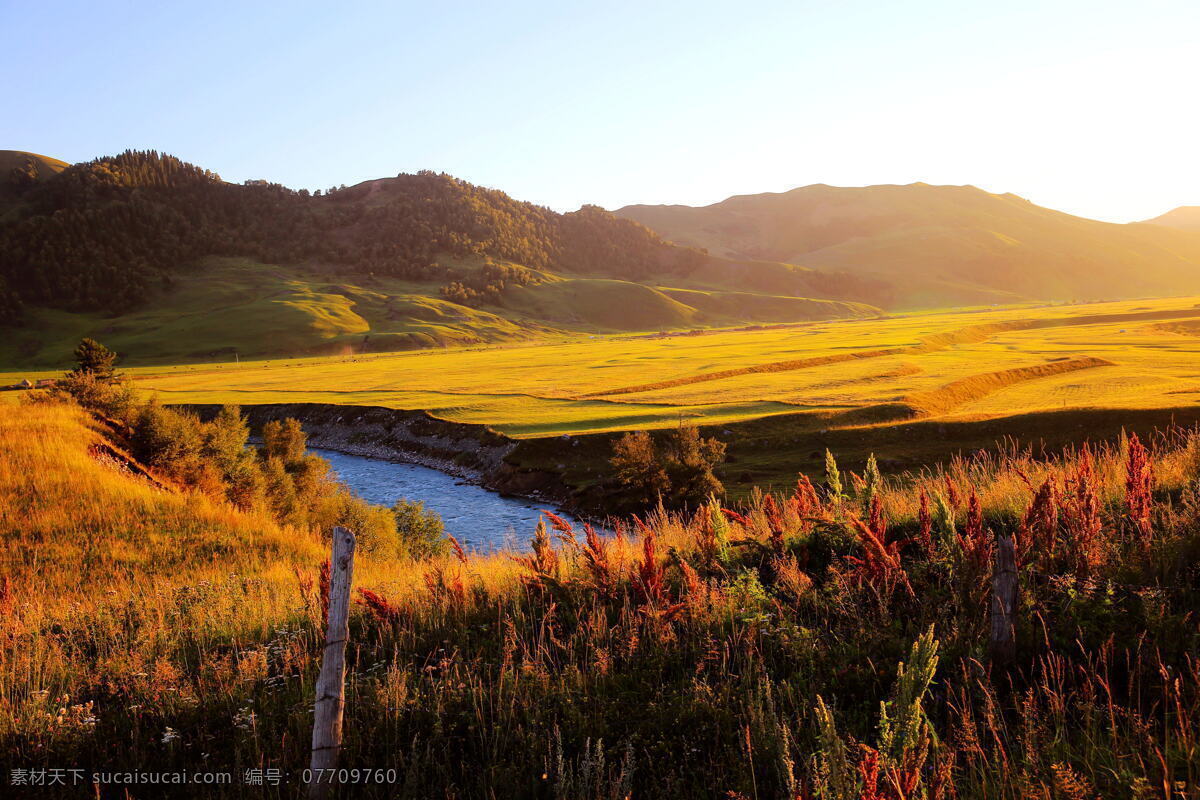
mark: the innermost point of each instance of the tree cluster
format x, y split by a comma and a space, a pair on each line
678, 470
107, 234
488, 285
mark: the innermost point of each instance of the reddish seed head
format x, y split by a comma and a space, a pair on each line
925, 523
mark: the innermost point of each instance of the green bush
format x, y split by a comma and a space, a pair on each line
422, 532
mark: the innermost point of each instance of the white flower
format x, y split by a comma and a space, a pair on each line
245, 718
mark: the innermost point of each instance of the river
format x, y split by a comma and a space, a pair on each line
481, 519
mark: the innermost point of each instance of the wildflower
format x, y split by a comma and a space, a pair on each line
974, 543
379, 606
595, 558
1040, 522
833, 480
1083, 523
566, 533
734, 516
720, 528
1139, 484
649, 581
775, 524
925, 523
879, 566
951, 492
873, 480
875, 518
245, 718
457, 549
544, 561
805, 501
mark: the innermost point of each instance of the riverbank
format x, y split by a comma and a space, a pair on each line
483, 521
475, 453
572, 471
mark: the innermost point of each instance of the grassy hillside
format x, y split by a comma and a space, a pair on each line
76, 516
143, 245
949, 243
226, 309
167, 261
135, 604
19, 170
816, 642
236, 306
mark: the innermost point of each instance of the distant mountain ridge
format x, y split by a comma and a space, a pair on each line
1185, 217
943, 239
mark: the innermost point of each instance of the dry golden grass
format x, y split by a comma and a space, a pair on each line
693, 646
65, 506
621, 383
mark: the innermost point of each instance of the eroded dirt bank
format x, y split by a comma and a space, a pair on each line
475, 453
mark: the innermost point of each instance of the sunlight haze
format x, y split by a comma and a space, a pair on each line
1087, 107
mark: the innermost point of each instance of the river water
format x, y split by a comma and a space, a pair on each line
481, 519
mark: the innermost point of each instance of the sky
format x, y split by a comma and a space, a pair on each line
1088, 107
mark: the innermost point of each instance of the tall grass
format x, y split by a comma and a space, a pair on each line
817, 643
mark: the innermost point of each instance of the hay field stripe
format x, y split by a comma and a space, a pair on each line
946, 398
971, 334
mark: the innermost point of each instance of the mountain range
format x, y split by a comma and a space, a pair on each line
943, 242
166, 261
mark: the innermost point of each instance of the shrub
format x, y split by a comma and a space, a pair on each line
421, 531
690, 462
112, 398
680, 472
635, 460
171, 441
374, 526
284, 440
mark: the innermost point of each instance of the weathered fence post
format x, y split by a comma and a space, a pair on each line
327, 714
1004, 601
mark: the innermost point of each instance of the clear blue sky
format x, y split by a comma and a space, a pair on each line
1085, 106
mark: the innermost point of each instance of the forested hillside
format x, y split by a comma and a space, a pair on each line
106, 234
123, 235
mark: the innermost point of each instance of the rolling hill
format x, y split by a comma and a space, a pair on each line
165, 260
940, 244
19, 168
1185, 217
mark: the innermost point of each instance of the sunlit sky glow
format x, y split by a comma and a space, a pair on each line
1089, 107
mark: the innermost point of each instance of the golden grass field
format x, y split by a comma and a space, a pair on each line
957, 365
151, 624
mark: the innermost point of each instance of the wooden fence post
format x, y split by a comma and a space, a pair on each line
327, 714
1004, 601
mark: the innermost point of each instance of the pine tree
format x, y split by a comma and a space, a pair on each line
94, 359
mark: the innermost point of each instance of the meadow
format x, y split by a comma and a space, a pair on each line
828, 641
227, 308
962, 365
